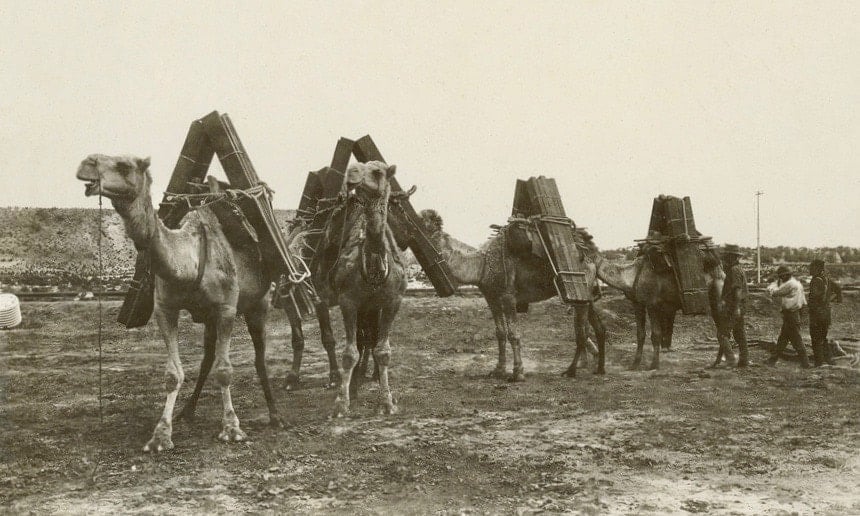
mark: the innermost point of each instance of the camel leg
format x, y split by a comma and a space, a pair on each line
668, 329
365, 335
297, 339
205, 366
640, 312
349, 358
509, 307
168, 322
230, 430
721, 337
580, 313
256, 322
328, 342
656, 336
382, 355
600, 335
501, 337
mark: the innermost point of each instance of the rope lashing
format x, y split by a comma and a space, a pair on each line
196, 201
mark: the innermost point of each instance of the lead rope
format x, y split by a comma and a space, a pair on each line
100, 289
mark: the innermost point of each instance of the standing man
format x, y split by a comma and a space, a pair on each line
821, 290
790, 293
732, 307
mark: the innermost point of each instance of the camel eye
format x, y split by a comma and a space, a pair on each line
123, 167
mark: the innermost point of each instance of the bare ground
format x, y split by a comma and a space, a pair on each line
679, 440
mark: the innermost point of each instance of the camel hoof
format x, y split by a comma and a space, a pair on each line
654, 366
517, 377
569, 373
293, 381
600, 371
634, 366
232, 433
386, 409
333, 380
341, 408
159, 442
276, 423
498, 372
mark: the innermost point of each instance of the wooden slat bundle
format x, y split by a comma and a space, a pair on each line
311, 194
342, 153
191, 167
522, 205
258, 209
331, 182
558, 235
676, 215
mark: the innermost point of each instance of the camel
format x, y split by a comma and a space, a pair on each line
298, 233
296, 242
507, 281
655, 294
367, 278
197, 269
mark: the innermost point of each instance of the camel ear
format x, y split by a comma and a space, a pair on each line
143, 164
390, 171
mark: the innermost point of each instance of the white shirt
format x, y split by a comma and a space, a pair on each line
789, 292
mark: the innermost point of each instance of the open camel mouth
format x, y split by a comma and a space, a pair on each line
92, 187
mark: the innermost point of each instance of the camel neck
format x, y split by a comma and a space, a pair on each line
147, 231
141, 222
622, 278
466, 267
376, 214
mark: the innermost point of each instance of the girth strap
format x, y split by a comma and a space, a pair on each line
203, 256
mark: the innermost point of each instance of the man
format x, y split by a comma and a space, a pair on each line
821, 290
790, 293
731, 308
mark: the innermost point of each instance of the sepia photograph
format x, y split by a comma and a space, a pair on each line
445, 258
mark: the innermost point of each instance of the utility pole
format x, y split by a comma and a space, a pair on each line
758, 195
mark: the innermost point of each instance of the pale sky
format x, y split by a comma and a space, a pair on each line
619, 101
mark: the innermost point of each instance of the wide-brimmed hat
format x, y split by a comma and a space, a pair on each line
782, 270
732, 249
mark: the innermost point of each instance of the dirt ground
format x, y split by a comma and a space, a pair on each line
679, 440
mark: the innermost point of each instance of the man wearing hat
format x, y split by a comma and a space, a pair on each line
731, 309
821, 290
790, 293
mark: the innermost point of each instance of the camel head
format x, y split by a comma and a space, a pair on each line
122, 179
585, 242
433, 223
371, 179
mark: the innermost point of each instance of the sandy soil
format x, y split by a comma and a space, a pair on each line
679, 440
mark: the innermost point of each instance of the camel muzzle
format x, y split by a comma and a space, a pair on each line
90, 175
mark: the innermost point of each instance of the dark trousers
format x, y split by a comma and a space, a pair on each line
733, 325
819, 324
790, 332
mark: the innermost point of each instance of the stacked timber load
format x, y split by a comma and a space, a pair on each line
672, 225
256, 205
538, 201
